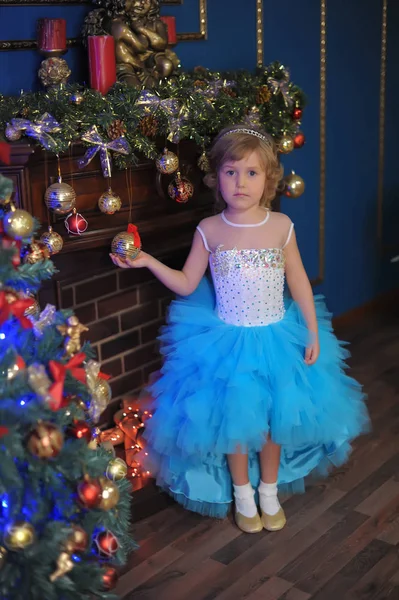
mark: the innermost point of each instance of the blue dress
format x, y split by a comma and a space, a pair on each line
234, 374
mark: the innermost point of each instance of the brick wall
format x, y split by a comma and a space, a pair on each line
124, 309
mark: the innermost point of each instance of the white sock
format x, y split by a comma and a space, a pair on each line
268, 498
244, 499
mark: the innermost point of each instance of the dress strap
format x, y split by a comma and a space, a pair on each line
289, 234
203, 238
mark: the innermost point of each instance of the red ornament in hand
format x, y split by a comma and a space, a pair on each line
299, 140
110, 578
89, 492
106, 543
80, 430
297, 114
75, 223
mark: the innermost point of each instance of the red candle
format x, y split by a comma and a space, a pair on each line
52, 35
170, 23
102, 63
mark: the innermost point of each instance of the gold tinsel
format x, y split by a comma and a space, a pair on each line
148, 126
263, 94
116, 129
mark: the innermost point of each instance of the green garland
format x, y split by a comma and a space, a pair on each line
269, 95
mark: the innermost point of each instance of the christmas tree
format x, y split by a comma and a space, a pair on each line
64, 500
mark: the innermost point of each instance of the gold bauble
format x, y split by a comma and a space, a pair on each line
18, 223
45, 441
52, 240
3, 556
60, 198
116, 469
123, 246
294, 185
102, 391
109, 203
12, 134
286, 144
167, 163
109, 494
18, 535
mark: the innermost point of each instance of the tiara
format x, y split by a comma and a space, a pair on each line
245, 130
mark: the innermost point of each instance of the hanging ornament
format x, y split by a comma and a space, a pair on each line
52, 240
127, 244
89, 492
180, 189
203, 162
60, 197
33, 311
167, 163
286, 144
109, 494
45, 441
75, 223
18, 535
18, 224
16, 368
294, 185
99, 389
297, 114
3, 556
116, 469
12, 134
64, 565
299, 139
109, 203
78, 541
109, 578
80, 430
72, 331
35, 252
76, 98
106, 544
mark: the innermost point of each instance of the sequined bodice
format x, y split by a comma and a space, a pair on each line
249, 285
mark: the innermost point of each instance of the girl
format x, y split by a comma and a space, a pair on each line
244, 397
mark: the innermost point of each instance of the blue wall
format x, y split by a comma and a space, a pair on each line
355, 272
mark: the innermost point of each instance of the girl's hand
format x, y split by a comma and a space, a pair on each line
142, 260
312, 352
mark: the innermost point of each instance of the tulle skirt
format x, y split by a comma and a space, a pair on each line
224, 388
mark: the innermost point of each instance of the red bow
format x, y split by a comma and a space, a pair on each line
3, 431
59, 371
136, 237
16, 308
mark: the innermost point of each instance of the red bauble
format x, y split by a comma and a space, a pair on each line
299, 140
89, 492
297, 114
80, 430
110, 578
75, 223
106, 543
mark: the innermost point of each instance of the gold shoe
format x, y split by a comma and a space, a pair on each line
274, 522
248, 524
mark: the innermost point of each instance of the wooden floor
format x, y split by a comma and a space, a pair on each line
342, 537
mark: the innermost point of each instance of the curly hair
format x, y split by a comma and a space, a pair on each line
235, 145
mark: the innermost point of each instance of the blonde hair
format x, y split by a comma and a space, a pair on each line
236, 142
